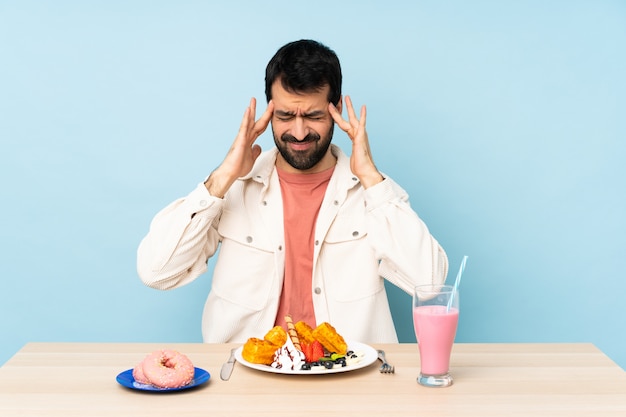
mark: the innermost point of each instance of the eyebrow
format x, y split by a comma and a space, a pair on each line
314, 113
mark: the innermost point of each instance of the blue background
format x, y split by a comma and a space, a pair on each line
503, 120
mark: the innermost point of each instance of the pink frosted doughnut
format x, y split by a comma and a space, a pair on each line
168, 369
138, 374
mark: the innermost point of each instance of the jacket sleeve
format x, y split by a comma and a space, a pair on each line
181, 239
409, 255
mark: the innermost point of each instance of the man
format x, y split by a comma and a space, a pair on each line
302, 229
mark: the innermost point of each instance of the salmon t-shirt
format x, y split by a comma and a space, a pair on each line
302, 198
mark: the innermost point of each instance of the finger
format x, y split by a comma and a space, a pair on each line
253, 105
252, 113
264, 120
351, 114
334, 113
362, 128
245, 121
363, 117
269, 112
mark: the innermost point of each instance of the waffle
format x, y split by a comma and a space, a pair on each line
261, 351
330, 339
305, 332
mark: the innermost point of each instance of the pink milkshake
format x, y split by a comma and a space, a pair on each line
435, 329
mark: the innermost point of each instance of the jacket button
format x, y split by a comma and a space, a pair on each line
317, 242
202, 203
249, 239
317, 290
355, 233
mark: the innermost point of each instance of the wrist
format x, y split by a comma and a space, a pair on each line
218, 184
372, 179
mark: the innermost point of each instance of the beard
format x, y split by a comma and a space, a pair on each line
304, 160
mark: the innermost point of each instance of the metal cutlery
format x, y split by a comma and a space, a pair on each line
228, 366
386, 367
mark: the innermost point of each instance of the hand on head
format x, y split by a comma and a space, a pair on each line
242, 153
361, 161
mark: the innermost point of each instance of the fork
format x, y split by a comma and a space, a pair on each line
386, 367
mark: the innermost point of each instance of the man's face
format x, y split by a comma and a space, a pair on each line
302, 126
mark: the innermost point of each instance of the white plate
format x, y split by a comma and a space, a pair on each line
369, 357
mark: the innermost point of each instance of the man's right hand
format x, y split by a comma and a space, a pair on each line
243, 152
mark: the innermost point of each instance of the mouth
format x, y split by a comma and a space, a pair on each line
301, 146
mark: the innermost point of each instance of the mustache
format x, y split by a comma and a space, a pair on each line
311, 137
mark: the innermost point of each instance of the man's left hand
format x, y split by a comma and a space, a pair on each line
361, 161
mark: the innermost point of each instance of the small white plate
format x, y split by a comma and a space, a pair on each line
368, 352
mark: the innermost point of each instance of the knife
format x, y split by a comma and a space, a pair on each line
227, 368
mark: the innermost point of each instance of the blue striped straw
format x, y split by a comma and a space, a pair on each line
457, 281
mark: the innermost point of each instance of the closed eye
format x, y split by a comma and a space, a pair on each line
316, 115
285, 116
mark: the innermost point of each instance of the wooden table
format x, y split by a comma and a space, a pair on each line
78, 379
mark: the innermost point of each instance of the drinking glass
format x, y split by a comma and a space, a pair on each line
435, 318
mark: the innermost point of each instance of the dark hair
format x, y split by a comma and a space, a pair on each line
305, 66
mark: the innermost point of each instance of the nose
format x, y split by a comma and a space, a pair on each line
299, 128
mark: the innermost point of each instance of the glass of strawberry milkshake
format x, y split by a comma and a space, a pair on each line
435, 318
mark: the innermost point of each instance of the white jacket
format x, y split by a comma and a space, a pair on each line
361, 236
